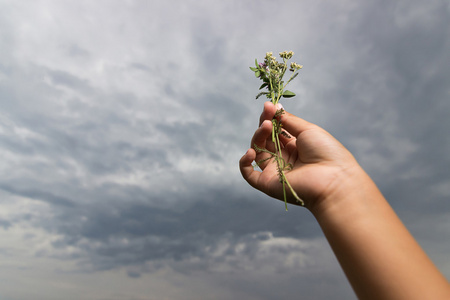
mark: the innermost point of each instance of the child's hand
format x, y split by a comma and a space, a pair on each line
320, 163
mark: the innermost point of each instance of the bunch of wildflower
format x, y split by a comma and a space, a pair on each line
271, 72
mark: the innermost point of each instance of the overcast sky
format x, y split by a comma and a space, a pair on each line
122, 123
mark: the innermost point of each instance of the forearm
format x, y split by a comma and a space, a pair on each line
377, 253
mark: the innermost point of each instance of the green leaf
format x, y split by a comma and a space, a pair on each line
254, 69
293, 76
265, 84
257, 73
256, 63
260, 94
288, 94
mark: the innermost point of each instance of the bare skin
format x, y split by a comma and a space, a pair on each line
379, 256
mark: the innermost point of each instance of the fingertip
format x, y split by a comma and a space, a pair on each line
245, 163
262, 134
268, 105
268, 112
265, 123
246, 167
248, 157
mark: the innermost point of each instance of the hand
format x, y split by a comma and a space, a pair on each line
320, 163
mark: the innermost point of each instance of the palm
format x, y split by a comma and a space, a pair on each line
314, 155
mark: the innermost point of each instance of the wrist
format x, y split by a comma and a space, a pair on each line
350, 189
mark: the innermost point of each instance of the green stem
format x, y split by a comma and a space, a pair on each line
302, 203
287, 82
281, 165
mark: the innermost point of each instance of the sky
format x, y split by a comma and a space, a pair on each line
122, 123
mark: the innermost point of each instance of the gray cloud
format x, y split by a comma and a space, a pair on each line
121, 126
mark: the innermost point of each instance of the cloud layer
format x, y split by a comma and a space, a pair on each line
121, 124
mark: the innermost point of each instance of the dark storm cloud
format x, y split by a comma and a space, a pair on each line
111, 234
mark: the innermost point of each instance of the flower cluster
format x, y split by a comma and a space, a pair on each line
295, 67
286, 54
271, 72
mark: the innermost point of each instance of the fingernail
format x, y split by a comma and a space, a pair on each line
279, 106
262, 123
